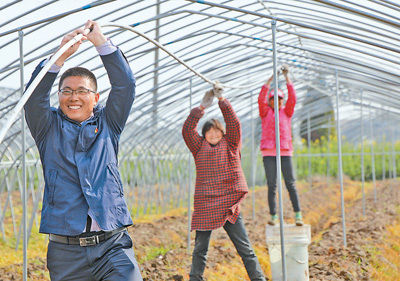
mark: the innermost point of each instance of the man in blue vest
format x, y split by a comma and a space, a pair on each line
84, 210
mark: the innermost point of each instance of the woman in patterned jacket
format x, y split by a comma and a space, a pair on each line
220, 184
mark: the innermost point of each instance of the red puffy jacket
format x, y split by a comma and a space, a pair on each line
267, 115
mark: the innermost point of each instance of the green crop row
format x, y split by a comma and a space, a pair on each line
322, 159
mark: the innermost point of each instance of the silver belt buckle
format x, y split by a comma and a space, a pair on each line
88, 241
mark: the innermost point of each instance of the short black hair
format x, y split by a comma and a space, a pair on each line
212, 123
79, 71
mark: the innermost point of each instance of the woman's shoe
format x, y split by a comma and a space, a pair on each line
273, 220
298, 219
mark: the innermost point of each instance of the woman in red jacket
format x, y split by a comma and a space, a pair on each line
220, 184
268, 145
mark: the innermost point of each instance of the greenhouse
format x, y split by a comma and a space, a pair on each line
342, 57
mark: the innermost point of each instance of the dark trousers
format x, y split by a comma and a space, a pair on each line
111, 260
287, 171
237, 233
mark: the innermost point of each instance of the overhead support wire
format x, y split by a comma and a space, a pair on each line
9, 4
368, 42
325, 41
391, 3
254, 24
11, 118
27, 13
94, 4
359, 12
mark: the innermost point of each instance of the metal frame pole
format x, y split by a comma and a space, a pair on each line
278, 149
24, 199
394, 173
390, 159
253, 168
340, 167
362, 152
309, 148
156, 66
190, 178
328, 140
372, 153
383, 140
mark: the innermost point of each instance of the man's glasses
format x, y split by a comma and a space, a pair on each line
80, 92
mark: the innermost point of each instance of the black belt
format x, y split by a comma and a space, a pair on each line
85, 241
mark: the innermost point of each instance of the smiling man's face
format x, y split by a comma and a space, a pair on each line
78, 106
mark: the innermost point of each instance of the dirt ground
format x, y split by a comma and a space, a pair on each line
160, 246
328, 258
